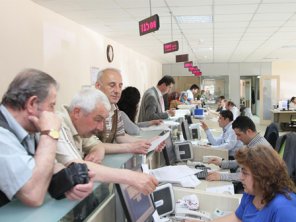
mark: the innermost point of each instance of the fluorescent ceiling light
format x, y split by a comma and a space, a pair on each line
289, 46
195, 19
271, 58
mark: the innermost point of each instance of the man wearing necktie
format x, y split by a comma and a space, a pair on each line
152, 105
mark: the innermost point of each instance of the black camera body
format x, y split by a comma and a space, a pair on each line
67, 178
79, 173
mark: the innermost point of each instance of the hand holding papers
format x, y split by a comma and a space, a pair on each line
156, 141
181, 174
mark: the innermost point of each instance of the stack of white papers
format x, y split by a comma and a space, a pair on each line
157, 141
180, 174
182, 112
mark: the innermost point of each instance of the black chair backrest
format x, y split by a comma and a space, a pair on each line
272, 134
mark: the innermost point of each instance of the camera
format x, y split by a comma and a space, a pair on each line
78, 172
67, 178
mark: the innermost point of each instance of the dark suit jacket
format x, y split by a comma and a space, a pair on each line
150, 106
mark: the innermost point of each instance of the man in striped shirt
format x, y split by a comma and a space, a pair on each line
245, 131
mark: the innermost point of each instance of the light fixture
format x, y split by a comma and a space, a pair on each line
194, 19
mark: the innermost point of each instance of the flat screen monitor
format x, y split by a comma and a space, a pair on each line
169, 152
283, 105
137, 206
185, 130
189, 119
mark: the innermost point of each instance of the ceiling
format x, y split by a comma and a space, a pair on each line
241, 30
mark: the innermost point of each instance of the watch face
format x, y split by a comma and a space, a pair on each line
110, 53
54, 134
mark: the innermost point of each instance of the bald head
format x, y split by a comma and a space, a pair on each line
109, 81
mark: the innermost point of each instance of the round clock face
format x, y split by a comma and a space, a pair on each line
110, 53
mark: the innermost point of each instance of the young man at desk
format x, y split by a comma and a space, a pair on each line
228, 139
245, 131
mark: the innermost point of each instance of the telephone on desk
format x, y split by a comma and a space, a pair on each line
185, 213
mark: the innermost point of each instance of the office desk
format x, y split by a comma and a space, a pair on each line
282, 116
200, 151
210, 201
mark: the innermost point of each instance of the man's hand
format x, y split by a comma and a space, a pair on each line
139, 147
80, 191
213, 176
160, 147
155, 122
171, 112
216, 161
96, 155
204, 125
46, 121
143, 182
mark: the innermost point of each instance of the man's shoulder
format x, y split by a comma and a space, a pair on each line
150, 93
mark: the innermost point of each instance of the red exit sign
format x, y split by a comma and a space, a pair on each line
171, 47
148, 25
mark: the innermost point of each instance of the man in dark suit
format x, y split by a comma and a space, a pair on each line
152, 105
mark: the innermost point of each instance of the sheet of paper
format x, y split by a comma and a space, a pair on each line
225, 189
190, 181
157, 140
172, 173
153, 128
170, 123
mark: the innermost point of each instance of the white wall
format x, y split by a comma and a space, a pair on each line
234, 70
32, 36
287, 72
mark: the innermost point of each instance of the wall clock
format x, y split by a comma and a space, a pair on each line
110, 53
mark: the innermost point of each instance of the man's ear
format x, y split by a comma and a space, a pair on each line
76, 112
31, 104
98, 85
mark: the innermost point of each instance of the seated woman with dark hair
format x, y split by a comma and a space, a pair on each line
174, 100
269, 192
128, 105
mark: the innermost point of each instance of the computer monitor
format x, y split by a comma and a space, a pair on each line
137, 206
283, 105
189, 119
185, 130
169, 152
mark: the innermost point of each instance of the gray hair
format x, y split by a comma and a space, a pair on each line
28, 83
101, 73
87, 99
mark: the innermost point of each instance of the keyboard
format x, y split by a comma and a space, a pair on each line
203, 174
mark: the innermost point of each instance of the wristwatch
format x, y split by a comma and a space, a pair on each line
54, 134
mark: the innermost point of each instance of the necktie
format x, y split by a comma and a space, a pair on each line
162, 103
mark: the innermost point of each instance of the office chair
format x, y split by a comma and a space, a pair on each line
272, 134
285, 146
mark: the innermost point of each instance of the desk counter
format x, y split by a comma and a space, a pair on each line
55, 210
